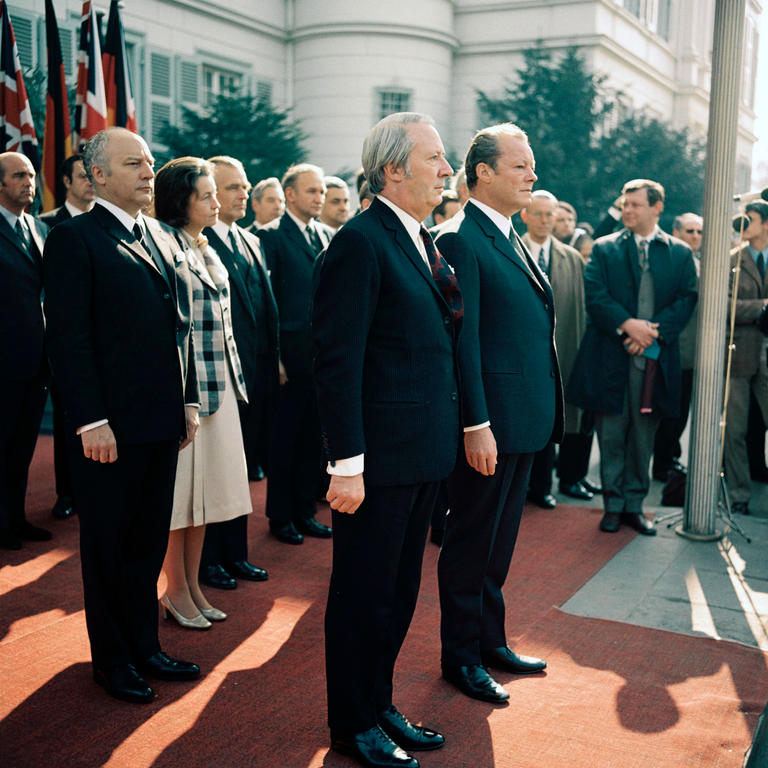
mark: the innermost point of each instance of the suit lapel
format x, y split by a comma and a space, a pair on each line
234, 269
34, 234
10, 236
296, 235
749, 266
631, 256
117, 231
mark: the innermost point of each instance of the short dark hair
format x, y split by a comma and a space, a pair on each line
291, 176
566, 207
654, 190
449, 196
68, 166
760, 207
175, 183
485, 148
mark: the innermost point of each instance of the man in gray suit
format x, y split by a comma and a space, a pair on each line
749, 364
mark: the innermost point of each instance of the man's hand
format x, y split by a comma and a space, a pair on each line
640, 333
480, 449
281, 372
346, 494
193, 422
99, 444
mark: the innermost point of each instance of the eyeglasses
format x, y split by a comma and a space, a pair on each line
691, 231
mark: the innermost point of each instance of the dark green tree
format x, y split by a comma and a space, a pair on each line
266, 140
587, 144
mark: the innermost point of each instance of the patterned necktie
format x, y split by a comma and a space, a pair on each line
444, 277
314, 239
21, 233
542, 260
642, 252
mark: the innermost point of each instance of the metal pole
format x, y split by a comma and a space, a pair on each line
704, 477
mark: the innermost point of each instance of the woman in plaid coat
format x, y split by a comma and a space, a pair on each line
211, 476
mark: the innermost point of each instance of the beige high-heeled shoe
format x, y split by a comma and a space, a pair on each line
213, 614
198, 622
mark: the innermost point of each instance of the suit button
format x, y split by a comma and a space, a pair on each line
166, 296
446, 321
454, 396
552, 374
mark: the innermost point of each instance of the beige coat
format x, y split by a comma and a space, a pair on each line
748, 340
566, 275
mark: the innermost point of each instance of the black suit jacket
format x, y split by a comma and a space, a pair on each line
21, 313
242, 283
385, 363
611, 280
291, 261
509, 368
119, 329
56, 216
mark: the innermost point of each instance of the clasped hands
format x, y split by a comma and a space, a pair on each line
640, 335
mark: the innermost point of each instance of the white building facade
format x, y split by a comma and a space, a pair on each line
343, 64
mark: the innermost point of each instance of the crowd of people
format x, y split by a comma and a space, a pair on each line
351, 358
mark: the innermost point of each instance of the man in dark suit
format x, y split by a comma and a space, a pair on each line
267, 201
291, 244
118, 316
80, 197
386, 313
640, 290
564, 269
22, 357
254, 322
511, 408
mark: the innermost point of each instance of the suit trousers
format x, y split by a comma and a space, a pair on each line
540, 481
377, 557
736, 462
254, 417
60, 452
294, 455
666, 446
19, 428
575, 450
125, 512
479, 541
626, 443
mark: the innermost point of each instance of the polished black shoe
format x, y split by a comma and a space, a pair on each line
242, 569
215, 576
9, 540
591, 487
576, 491
258, 475
543, 500
610, 522
639, 522
163, 667
506, 659
405, 734
740, 507
124, 683
286, 532
436, 536
28, 532
373, 749
310, 527
474, 681
62, 509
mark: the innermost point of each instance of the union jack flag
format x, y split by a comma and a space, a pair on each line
90, 97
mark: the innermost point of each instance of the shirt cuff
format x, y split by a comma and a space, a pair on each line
478, 426
191, 405
350, 467
92, 425
615, 213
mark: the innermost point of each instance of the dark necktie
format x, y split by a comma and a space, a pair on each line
21, 233
761, 264
314, 239
138, 233
234, 244
444, 277
542, 260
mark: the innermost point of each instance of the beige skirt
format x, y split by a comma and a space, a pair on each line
211, 475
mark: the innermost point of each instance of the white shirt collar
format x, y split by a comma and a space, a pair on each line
124, 218
223, 230
10, 217
412, 226
499, 219
73, 211
647, 238
537, 249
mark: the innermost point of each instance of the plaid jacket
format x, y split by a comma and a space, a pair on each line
212, 327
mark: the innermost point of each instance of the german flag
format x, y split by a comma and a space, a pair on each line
121, 110
57, 140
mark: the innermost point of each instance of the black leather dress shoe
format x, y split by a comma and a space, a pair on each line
405, 734
9, 540
474, 681
610, 522
28, 532
62, 509
639, 522
373, 749
286, 532
506, 659
740, 507
216, 576
124, 683
591, 487
576, 491
242, 569
163, 667
310, 527
258, 475
543, 500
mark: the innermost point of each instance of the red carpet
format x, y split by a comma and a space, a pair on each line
614, 696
